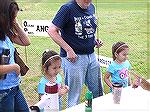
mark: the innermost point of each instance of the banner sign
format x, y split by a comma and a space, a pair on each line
36, 27
104, 61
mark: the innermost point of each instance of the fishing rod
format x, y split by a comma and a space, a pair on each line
101, 91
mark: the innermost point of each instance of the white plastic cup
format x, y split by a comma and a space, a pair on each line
117, 90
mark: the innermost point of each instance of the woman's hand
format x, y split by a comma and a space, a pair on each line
136, 83
16, 68
20, 37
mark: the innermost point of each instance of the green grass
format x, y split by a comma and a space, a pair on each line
118, 20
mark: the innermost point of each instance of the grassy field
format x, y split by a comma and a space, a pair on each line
118, 20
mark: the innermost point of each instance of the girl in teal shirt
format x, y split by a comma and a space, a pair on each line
118, 70
51, 65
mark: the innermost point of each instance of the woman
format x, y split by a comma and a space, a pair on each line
10, 32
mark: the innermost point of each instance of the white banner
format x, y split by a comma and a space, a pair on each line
36, 27
104, 61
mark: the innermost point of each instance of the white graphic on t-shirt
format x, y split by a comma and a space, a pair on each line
88, 28
83, 27
78, 27
123, 73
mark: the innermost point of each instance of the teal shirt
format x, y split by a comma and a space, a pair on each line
12, 79
43, 81
119, 72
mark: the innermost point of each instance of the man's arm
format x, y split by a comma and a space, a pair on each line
53, 32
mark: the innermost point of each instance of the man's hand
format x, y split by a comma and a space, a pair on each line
71, 56
98, 43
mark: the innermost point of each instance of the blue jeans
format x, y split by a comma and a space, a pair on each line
85, 70
12, 100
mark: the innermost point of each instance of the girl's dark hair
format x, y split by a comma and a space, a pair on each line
47, 55
117, 48
8, 9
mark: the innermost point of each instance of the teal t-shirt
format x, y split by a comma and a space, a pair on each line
119, 72
43, 81
12, 79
